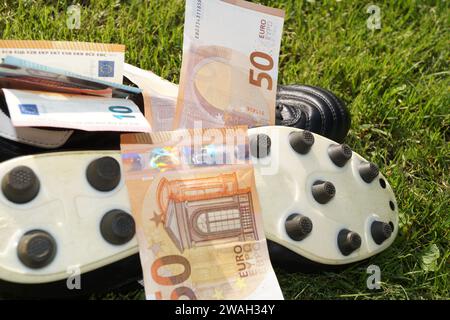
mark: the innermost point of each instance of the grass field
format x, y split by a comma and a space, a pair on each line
395, 81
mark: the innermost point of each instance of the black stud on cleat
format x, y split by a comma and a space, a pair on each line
36, 249
323, 191
301, 141
20, 185
298, 227
340, 154
104, 174
348, 241
260, 145
117, 227
368, 171
381, 231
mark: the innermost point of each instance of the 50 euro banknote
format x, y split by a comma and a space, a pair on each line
197, 214
230, 64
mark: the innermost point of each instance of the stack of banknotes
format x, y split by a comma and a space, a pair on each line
228, 83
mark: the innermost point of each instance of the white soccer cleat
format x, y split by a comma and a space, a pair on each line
61, 211
320, 201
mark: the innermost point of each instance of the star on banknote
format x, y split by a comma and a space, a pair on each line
157, 218
218, 294
240, 283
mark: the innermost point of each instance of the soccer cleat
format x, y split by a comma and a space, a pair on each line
313, 210
347, 201
313, 109
73, 212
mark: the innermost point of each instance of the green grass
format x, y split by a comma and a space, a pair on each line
394, 80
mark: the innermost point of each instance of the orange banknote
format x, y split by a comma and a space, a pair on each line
197, 214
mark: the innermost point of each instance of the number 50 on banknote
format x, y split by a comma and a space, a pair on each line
230, 64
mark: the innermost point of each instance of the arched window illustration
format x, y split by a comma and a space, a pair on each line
201, 210
222, 221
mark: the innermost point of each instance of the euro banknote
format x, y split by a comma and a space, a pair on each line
16, 73
95, 60
159, 96
47, 109
230, 64
198, 218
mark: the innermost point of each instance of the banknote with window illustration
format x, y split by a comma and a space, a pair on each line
197, 213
